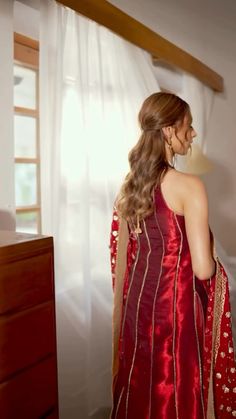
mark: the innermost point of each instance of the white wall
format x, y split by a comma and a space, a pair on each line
7, 199
26, 18
207, 30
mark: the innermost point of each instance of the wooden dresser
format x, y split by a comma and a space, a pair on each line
28, 363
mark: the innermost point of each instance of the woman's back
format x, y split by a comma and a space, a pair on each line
173, 188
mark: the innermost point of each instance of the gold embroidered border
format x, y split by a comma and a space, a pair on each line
219, 300
123, 237
220, 290
198, 346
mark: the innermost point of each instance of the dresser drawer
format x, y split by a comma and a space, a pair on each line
26, 338
25, 283
31, 394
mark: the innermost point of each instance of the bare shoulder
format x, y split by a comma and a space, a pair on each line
191, 190
184, 190
188, 181
184, 182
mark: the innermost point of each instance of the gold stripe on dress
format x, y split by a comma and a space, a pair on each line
198, 345
118, 404
174, 314
137, 315
153, 309
130, 286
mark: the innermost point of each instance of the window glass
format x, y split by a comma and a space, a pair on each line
26, 222
25, 136
25, 184
24, 87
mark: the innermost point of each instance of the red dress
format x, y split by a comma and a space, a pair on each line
164, 362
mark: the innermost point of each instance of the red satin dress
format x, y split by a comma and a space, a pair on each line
161, 343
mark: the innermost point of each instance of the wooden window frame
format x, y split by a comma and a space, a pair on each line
26, 54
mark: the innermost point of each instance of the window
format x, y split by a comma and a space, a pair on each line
26, 134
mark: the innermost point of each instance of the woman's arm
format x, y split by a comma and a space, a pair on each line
197, 227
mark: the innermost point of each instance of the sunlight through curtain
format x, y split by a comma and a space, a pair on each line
92, 86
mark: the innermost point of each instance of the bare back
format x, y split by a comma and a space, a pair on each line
173, 189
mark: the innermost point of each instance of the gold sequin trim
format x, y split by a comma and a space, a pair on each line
220, 290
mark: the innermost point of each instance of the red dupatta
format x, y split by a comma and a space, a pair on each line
219, 368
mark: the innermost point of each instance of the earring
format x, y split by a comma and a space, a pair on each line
169, 144
174, 160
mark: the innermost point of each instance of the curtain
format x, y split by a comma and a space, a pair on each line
92, 86
200, 98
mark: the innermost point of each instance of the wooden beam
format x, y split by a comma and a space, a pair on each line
135, 32
27, 42
26, 50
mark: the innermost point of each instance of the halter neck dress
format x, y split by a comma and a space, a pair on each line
162, 326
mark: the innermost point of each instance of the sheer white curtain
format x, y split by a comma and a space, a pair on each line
200, 98
92, 86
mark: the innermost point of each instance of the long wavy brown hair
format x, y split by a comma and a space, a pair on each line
147, 159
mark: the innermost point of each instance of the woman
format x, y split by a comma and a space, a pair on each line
172, 341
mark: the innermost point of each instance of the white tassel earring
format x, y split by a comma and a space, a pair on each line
173, 160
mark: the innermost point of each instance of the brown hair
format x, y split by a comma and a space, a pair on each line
147, 159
